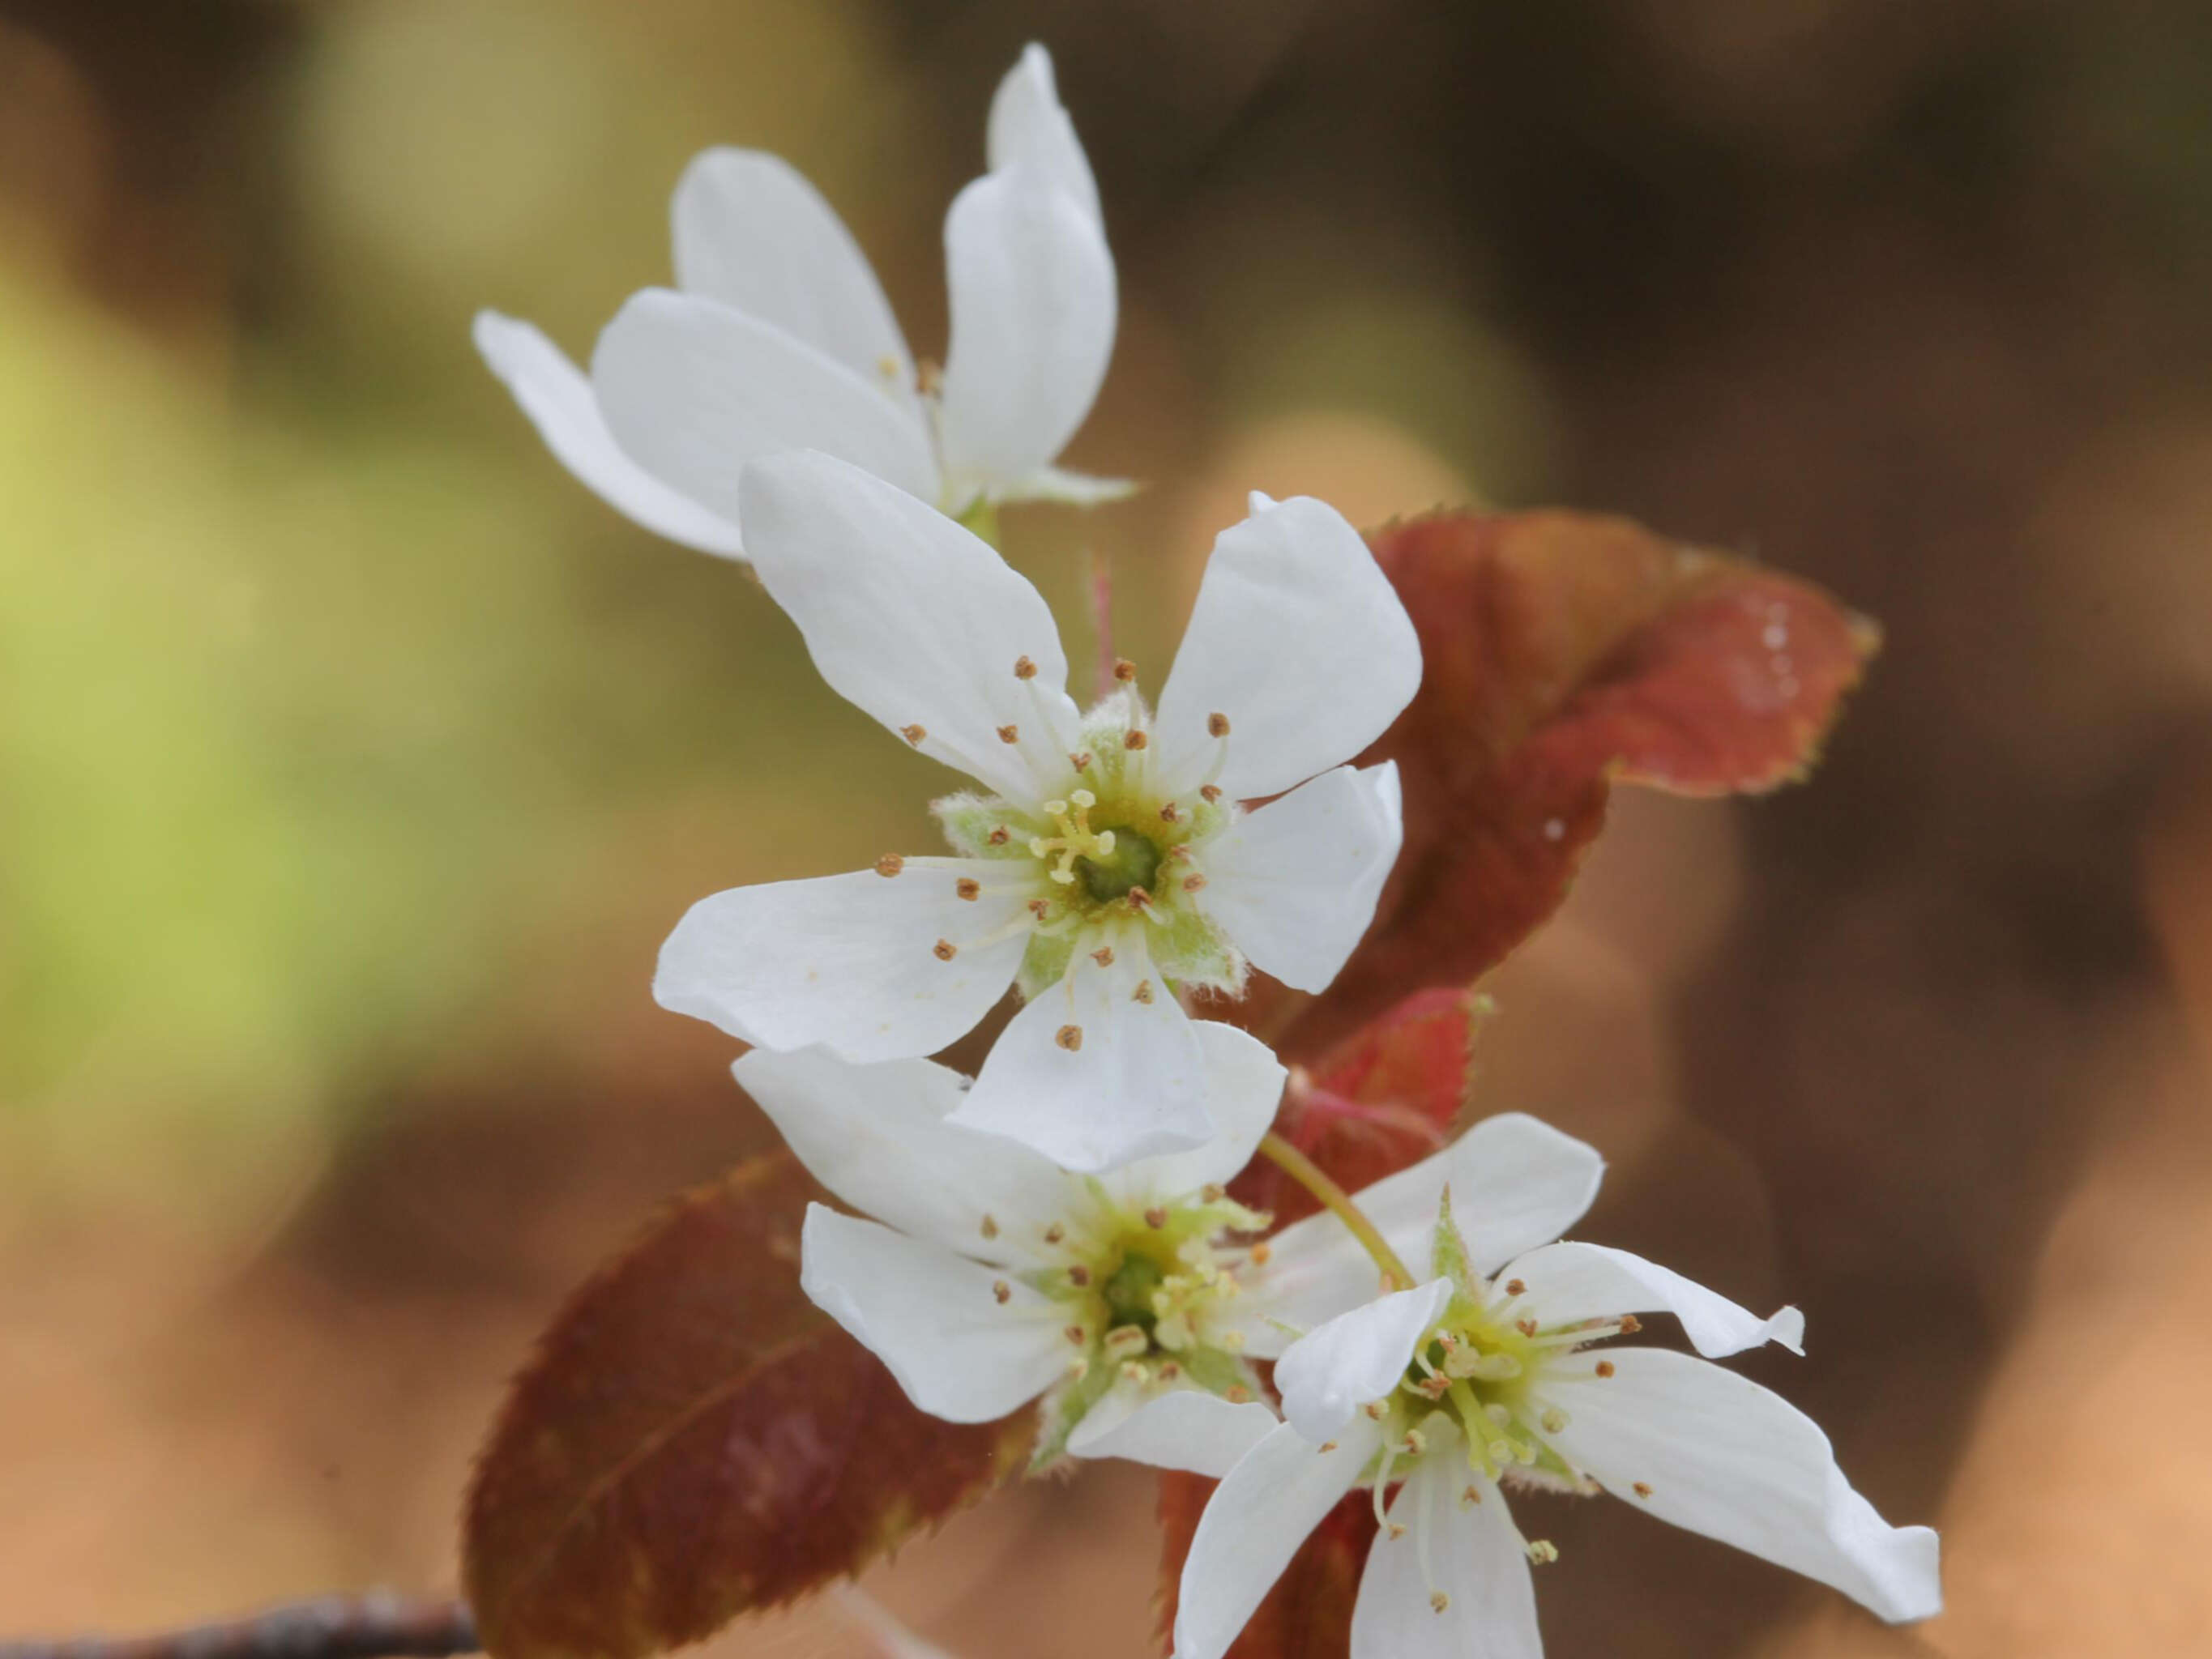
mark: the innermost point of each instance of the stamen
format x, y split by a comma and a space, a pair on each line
1553, 1419
1605, 1367
1144, 991
1261, 1254
1193, 882
1081, 760
1126, 1339
1025, 669
1155, 1217
1440, 1601
1134, 740
1002, 1291
1169, 814
1077, 1334
944, 950
1327, 1447
1069, 1037
990, 1228
889, 864
1080, 1276
1212, 792
1124, 669
1010, 734
999, 837
1641, 1490
968, 888
1055, 1233
913, 734
1103, 956
1517, 1287
1375, 1409
1237, 1394
1543, 1552
1470, 1496
1217, 724
1213, 1192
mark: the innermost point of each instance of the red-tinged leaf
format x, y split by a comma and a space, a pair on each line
1563, 653
1386, 1096
694, 1440
1308, 1614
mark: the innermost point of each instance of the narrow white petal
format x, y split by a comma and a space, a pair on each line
914, 619
1571, 1281
1515, 1183
849, 962
1185, 1428
1279, 1492
1294, 884
1054, 483
753, 233
1029, 129
1093, 1077
876, 1136
559, 401
1327, 1375
1299, 641
935, 1320
1032, 295
1469, 1552
1244, 1085
693, 390
1727, 1458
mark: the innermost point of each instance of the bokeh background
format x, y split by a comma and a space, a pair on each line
354, 759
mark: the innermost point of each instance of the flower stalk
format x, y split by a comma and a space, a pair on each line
1338, 1202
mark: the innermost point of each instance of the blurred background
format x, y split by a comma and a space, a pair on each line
354, 759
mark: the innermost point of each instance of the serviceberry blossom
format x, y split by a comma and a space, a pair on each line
777, 336
1131, 1302
1109, 865
1480, 1381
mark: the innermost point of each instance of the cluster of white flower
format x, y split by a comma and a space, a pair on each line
1060, 1230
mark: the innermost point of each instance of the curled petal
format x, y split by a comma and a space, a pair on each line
1571, 1281
1029, 129
1327, 1375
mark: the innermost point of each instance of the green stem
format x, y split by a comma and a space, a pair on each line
1338, 1202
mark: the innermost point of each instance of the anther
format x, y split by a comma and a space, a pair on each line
990, 1228
944, 950
1126, 1339
1124, 669
1605, 1367
1553, 1419
1526, 1327
968, 888
1212, 792
1038, 907
1010, 734
1080, 762
1131, 1372
1155, 1217
1055, 1233
1630, 1324
1138, 898
1144, 991
1213, 1192
1374, 1410
1134, 740
1237, 1394
1641, 1490
1076, 1335
1327, 1447
1397, 1531
1517, 1287
1002, 1290
1470, 1498
1543, 1552
1080, 1276
1082, 798
1415, 1442
889, 864
1260, 1254
913, 734
1439, 1601
1103, 956
999, 837
1217, 724
1069, 1037
1025, 669
1169, 1370
1193, 882
1169, 814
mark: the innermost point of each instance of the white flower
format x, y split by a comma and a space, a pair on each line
778, 335
1483, 1379
990, 1277
1111, 863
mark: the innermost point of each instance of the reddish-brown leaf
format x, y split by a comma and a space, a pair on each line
1564, 652
693, 1440
1308, 1614
1386, 1096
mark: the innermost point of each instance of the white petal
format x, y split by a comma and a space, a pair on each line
1571, 1281
1327, 1375
875, 1135
1294, 884
1033, 311
693, 390
935, 1320
1244, 1085
1054, 483
914, 619
1516, 1182
849, 961
1092, 1076
1186, 1428
1029, 129
1299, 641
1470, 1552
1279, 1492
751, 233
560, 403
1727, 1458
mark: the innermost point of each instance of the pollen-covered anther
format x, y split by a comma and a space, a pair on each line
1134, 740
1517, 1287
1213, 1192
1193, 882
1553, 1419
1327, 1447
1433, 1388
1155, 1217
1526, 1327
1170, 813
1397, 1530
1040, 907
1103, 956
1439, 1602
913, 734
1055, 1233
1375, 1410
999, 837
1605, 1367
1415, 1442
1080, 1276
990, 1227
1025, 669
1069, 1037
1262, 1254
1078, 1335
1001, 1292
1131, 1372
1143, 993
1010, 734
1169, 1370
1630, 1324
1217, 724
1124, 669
1543, 1552
1125, 1340
944, 950
1080, 760
889, 864
1212, 792
1139, 898
1469, 1497
1641, 1490
968, 888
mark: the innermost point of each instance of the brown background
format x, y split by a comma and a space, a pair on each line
353, 760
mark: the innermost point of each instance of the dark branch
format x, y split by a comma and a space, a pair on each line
376, 1625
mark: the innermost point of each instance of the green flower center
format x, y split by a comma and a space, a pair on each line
1134, 862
